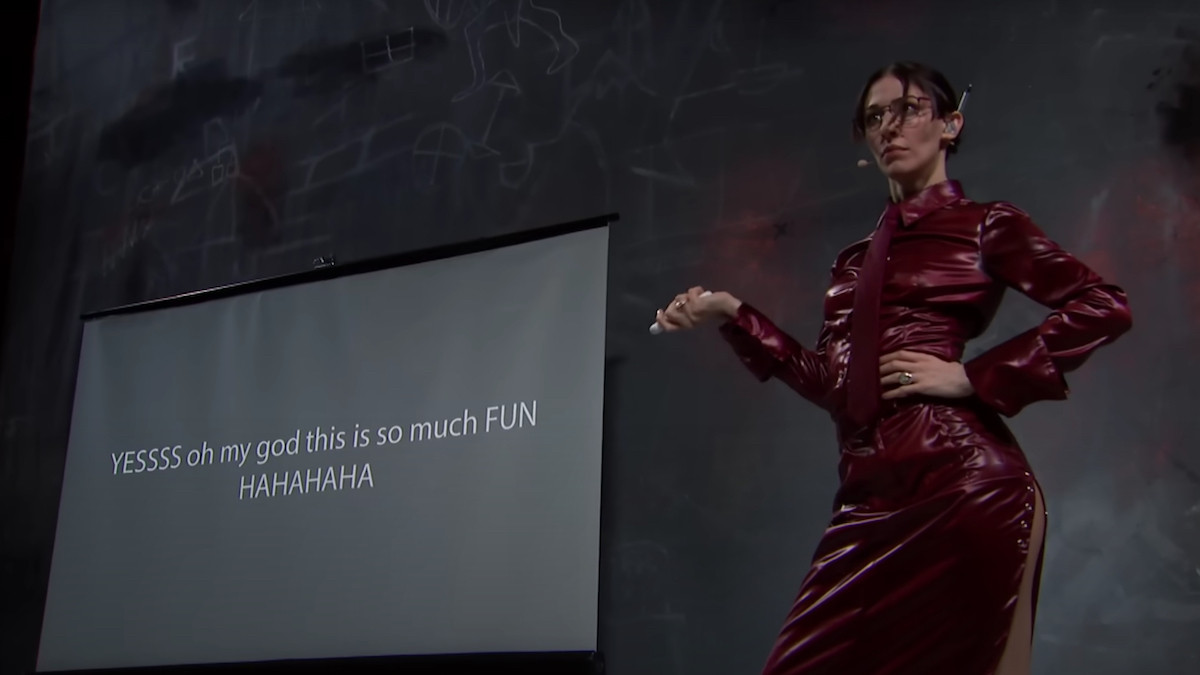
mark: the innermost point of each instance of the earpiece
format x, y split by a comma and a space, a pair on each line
951, 128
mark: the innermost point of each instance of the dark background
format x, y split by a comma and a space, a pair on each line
177, 145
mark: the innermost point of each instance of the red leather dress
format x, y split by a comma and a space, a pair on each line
919, 569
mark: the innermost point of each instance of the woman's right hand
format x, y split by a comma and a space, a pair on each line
688, 310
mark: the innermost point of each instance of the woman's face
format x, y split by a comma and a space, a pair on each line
905, 137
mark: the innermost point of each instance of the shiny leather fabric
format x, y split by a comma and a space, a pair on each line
920, 567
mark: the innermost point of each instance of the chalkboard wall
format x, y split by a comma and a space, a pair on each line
178, 145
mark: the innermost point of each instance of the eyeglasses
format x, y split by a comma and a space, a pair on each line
909, 111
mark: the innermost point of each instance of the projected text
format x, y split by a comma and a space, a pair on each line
352, 473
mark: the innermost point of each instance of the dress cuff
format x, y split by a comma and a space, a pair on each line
1016, 373
752, 336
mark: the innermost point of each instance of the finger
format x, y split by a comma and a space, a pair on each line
692, 304
673, 307
665, 321
902, 391
898, 366
893, 379
670, 314
904, 355
678, 315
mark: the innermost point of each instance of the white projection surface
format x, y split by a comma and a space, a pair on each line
397, 462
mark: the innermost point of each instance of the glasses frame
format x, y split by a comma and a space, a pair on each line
897, 108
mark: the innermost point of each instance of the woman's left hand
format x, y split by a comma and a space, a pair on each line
926, 375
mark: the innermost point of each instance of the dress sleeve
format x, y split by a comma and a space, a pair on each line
768, 352
1088, 313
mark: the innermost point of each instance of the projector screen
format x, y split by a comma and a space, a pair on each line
397, 462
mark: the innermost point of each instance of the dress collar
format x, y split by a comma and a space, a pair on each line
927, 201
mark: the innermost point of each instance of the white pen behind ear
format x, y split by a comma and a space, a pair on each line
656, 328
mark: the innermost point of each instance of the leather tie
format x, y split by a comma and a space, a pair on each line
862, 402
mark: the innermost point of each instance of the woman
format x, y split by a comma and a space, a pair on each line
932, 559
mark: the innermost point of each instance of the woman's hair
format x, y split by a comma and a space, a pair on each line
932, 82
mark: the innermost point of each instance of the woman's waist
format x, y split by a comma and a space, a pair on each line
938, 345
921, 425
922, 445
